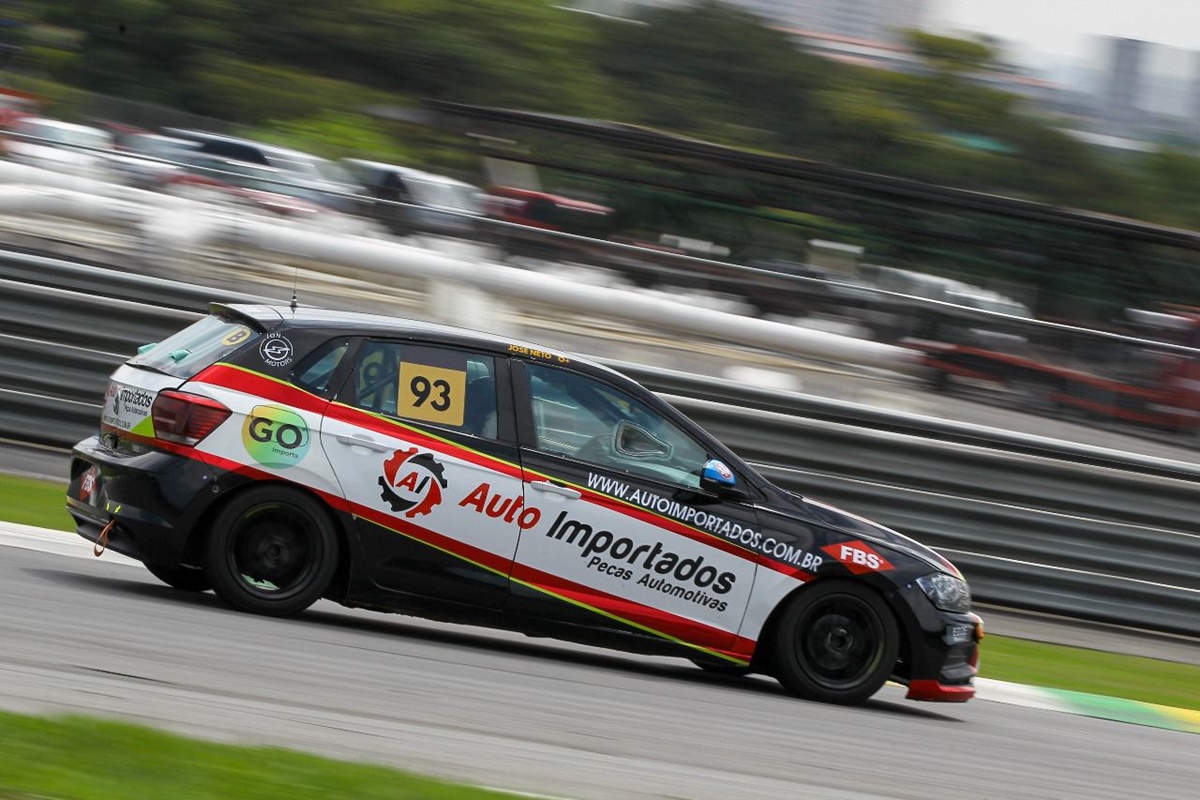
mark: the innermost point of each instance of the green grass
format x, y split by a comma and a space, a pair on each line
78, 758
1078, 669
35, 502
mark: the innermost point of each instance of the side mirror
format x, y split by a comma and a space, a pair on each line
717, 477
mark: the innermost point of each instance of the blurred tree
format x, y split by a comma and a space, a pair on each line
712, 70
1167, 183
470, 50
140, 48
703, 69
948, 54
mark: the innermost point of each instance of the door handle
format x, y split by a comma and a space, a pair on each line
554, 488
362, 440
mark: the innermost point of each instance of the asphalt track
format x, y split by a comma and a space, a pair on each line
100, 637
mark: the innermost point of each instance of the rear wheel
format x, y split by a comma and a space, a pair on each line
271, 551
186, 579
836, 642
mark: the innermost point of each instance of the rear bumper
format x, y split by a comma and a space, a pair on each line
153, 499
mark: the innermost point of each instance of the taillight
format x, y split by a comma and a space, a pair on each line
186, 418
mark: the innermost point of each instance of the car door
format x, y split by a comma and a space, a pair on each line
422, 441
625, 536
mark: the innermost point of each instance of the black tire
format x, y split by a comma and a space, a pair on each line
186, 579
271, 551
837, 642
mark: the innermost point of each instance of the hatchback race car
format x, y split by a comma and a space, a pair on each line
278, 456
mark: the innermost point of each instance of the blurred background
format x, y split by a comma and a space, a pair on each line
1018, 214
951, 245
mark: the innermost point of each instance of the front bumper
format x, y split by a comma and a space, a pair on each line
951, 662
154, 500
941, 659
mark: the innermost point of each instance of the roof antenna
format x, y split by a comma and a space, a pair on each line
295, 283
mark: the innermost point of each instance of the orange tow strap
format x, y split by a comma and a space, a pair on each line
102, 542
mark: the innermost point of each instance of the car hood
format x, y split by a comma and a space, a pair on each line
816, 512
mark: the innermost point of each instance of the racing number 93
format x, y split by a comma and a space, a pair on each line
433, 394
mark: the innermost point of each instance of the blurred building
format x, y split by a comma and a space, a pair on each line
1124, 80
877, 21
1194, 99
873, 20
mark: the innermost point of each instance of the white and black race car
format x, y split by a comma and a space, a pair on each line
278, 456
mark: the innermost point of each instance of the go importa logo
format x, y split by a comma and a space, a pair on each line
276, 437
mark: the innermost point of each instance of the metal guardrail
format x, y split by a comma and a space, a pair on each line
1033, 523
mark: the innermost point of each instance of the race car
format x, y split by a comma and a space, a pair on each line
280, 455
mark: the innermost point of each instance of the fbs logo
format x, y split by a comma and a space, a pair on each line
858, 557
412, 483
276, 437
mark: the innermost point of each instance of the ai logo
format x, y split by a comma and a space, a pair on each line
412, 483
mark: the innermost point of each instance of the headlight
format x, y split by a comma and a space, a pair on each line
946, 592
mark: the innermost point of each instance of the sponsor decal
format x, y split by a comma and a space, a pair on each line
132, 401
121, 403
276, 350
412, 482
724, 471
663, 569
497, 506
87, 484
858, 557
276, 437
712, 523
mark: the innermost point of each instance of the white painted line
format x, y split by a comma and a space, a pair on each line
60, 543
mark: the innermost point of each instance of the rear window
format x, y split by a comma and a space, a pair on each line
195, 347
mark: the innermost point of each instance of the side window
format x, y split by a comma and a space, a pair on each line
449, 388
586, 419
315, 371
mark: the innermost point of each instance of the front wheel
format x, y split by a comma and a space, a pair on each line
836, 642
271, 551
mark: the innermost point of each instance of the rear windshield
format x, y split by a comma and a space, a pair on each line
195, 347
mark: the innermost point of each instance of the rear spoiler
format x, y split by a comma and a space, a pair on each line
259, 317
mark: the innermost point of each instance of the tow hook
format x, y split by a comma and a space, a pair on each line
102, 541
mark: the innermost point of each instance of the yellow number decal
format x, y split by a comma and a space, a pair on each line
431, 393
236, 336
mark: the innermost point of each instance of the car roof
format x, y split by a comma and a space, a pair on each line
49, 122
367, 324
408, 172
269, 149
